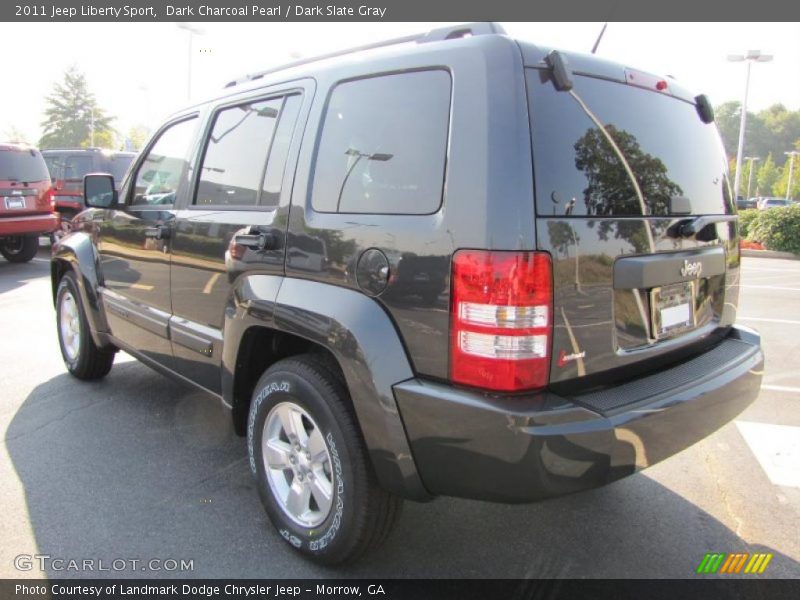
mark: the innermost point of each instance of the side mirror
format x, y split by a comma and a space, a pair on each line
99, 191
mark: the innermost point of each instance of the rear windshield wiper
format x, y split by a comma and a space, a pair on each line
690, 228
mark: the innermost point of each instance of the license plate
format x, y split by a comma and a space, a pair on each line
12, 202
672, 309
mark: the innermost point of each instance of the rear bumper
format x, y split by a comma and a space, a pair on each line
31, 224
74, 203
523, 448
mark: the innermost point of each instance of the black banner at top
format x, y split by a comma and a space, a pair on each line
398, 10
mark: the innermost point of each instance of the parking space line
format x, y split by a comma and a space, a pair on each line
768, 287
768, 320
781, 388
761, 277
777, 449
210, 283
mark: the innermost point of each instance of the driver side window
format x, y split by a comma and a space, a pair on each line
165, 166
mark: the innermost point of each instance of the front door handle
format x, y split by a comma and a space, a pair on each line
159, 232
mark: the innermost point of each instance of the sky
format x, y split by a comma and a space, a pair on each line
138, 71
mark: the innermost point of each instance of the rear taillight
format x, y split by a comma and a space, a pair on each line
501, 319
50, 194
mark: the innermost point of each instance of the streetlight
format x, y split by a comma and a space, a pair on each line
751, 57
192, 29
752, 159
791, 156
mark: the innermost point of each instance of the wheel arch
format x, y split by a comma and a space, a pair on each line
342, 326
76, 253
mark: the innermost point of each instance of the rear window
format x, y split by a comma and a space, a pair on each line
22, 165
69, 166
384, 145
663, 141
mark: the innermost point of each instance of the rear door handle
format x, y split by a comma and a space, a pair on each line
257, 240
159, 232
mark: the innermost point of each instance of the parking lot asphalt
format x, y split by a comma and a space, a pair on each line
139, 467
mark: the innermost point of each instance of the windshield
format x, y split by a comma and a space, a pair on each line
119, 166
611, 149
22, 165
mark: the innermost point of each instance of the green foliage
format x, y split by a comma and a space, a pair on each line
777, 228
768, 176
779, 187
771, 131
138, 136
746, 218
70, 112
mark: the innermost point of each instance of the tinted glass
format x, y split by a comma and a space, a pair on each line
273, 177
165, 166
22, 165
236, 154
75, 166
54, 165
383, 145
119, 166
579, 171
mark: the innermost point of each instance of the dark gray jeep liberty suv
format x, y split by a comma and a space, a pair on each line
451, 264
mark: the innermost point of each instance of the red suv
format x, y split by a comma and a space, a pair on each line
26, 202
69, 165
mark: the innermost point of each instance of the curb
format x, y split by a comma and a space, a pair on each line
768, 254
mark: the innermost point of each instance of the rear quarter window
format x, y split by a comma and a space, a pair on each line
383, 145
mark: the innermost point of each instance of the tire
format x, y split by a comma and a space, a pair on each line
19, 249
306, 393
82, 357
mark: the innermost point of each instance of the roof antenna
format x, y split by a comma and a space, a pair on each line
599, 37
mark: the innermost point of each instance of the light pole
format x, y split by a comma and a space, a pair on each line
752, 159
791, 156
192, 29
751, 57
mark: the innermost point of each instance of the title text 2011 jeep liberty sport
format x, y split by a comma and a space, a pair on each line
458, 265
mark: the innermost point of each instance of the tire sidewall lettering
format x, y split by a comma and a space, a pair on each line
333, 524
336, 522
272, 388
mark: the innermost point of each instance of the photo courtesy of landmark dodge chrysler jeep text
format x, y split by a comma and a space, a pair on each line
452, 264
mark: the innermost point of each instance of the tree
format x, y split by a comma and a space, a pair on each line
757, 136
726, 116
71, 113
783, 127
15, 136
610, 190
768, 176
779, 187
772, 130
137, 138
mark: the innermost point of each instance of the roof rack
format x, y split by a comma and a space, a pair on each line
74, 149
434, 35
